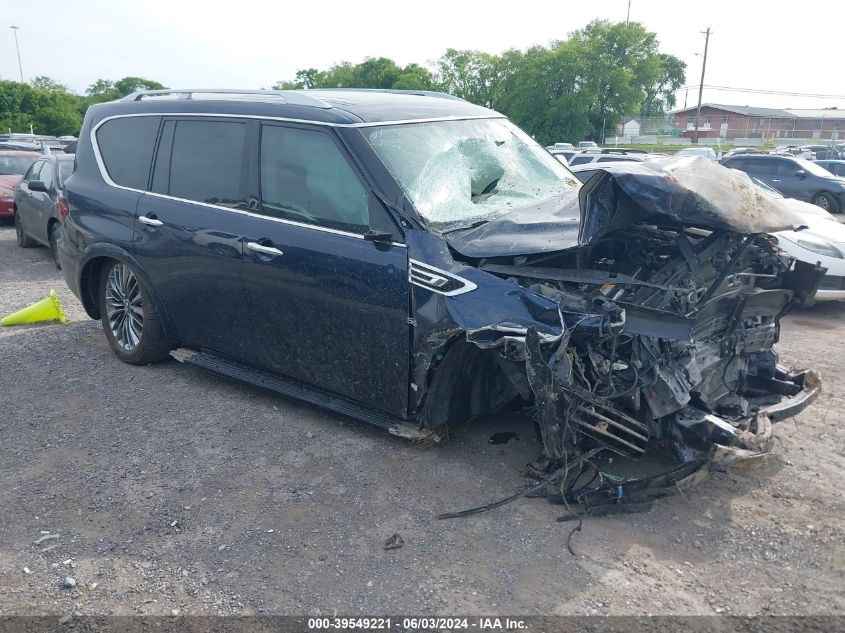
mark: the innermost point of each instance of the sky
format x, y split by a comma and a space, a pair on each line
252, 44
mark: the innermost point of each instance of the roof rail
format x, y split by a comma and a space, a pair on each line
419, 93
205, 94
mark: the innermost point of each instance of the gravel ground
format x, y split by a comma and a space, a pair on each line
171, 489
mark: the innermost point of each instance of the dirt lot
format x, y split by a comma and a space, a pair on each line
172, 489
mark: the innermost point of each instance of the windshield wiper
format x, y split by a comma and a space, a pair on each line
475, 224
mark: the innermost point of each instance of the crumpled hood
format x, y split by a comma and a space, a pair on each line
551, 226
693, 191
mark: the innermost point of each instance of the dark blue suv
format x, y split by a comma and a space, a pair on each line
413, 260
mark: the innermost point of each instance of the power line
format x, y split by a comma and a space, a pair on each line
784, 93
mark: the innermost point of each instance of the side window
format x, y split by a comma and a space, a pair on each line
580, 160
46, 174
65, 170
763, 167
206, 162
32, 172
126, 147
305, 177
787, 168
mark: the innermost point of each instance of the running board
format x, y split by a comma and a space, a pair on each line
279, 384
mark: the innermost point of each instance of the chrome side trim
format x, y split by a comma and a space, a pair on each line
434, 279
105, 176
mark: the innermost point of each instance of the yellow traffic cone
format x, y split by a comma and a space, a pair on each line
48, 309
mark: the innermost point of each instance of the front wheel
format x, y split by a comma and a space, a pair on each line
826, 202
24, 240
130, 319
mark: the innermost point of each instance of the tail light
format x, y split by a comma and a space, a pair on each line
62, 208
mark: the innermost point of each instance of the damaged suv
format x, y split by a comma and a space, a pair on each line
413, 260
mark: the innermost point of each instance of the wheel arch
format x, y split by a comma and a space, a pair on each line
836, 206
466, 381
95, 258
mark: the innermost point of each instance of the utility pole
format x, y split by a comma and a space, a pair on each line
628, 17
701, 85
18, 48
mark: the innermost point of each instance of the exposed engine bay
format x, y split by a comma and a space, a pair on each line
666, 335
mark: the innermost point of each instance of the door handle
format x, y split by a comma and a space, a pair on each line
143, 219
775, 179
255, 247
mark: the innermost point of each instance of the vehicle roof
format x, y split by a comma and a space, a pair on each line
761, 156
18, 152
331, 106
829, 160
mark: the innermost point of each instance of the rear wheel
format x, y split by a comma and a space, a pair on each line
826, 202
54, 235
24, 240
130, 319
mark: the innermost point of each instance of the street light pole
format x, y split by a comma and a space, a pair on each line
701, 85
628, 17
18, 48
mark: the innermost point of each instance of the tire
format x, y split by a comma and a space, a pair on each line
52, 235
826, 202
130, 319
24, 240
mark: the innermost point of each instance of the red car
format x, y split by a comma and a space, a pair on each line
13, 165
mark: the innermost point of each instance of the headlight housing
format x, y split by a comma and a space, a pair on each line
817, 246
7, 193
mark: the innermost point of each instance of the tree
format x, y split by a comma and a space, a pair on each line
471, 75
660, 96
415, 77
48, 111
102, 88
373, 72
47, 83
128, 85
623, 64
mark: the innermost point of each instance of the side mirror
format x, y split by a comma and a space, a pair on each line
801, 173
37, 185
379, 237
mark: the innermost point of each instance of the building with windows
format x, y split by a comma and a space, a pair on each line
730, 121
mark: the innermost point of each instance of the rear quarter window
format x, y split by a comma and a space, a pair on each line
126, 148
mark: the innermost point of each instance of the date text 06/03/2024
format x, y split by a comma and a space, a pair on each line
417, 623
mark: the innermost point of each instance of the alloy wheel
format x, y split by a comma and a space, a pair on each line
124, 307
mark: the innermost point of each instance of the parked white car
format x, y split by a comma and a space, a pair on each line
707, 152
823, 243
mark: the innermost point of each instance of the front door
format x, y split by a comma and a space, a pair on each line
31, 203
789, 182
326, 306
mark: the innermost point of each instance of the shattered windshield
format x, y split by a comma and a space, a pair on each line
460, 174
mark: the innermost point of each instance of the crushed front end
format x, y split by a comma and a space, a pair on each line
669, 309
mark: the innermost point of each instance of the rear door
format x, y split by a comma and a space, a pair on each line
325, 305
188, 229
